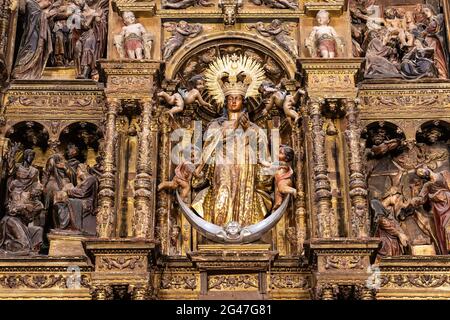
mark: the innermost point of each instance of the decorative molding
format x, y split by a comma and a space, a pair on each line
233, 282
179, 281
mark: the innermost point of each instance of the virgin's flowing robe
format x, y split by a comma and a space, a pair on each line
238, 187
35, 45
23, 204
438, 192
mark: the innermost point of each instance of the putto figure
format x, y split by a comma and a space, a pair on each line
283, 174
183, 4
280, 33
185, 97
134, 42
277, 4
180, 32
279, 97
182, 178
323, 39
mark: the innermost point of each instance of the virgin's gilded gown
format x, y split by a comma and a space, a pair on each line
238, 189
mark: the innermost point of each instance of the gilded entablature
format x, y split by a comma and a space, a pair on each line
403, 100
334, 113
146, 6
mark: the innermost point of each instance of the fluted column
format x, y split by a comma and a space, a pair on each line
357, 183
322, 187
143, 213
106, 214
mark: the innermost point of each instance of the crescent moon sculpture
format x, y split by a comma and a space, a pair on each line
232, 231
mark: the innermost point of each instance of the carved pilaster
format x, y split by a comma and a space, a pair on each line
5, 13
139, 292
102, 292
143, 214
357, 183
164, 175
322, 189
326, 292
365, 293
300, 200
106, 214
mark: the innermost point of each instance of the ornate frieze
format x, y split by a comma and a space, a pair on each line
331, 78
142, 6
233, 282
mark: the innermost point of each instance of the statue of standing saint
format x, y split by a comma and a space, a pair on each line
238, 190
35, 44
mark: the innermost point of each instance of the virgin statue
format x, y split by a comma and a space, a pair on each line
236, 188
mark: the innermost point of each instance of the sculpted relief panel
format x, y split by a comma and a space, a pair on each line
60, 34
48, 191
405, 42
409, 188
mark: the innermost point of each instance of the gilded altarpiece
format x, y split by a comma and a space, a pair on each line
118, 119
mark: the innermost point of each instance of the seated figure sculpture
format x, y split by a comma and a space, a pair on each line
17, 235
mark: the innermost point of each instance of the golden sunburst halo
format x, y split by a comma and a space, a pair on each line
233, 65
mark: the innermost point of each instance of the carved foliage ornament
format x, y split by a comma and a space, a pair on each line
233, 282
178, 282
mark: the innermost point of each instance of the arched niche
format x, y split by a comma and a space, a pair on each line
433, 131
30, 135
86, 136
192, 60
391, 131
230, 38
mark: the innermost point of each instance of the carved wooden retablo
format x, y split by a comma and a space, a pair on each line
224, 149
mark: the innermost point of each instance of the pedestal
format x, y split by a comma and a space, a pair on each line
233, 271
66, 245
341, 267
119, 263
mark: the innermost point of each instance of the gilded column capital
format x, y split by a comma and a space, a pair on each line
315, 105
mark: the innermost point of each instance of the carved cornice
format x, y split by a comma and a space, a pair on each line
330, 78
405, 100
119, 246
217, 14
54, 100
145, 7
335, 7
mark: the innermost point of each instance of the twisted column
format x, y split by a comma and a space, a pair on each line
357, 183
106, 214
143, 213
322, 187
